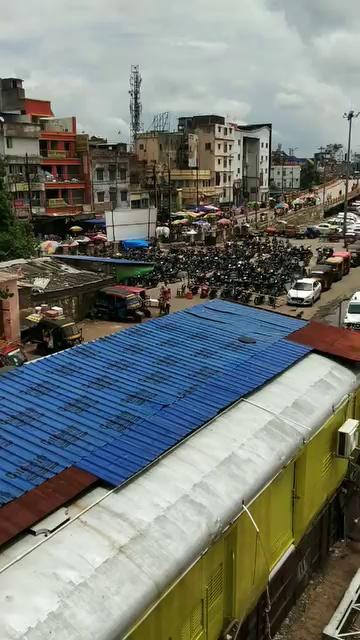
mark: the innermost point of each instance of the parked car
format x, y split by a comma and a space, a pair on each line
352, 316
325, 275
325, 228
304, 292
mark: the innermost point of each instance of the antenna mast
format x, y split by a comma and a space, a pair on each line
135, 104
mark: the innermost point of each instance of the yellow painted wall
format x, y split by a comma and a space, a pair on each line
231, 576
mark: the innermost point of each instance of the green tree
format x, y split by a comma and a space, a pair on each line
16, 237
309, 176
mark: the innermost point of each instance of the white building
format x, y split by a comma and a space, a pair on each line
286, 177
251, 162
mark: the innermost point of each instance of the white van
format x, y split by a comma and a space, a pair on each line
352, 317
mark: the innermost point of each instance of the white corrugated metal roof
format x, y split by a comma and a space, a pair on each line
96, 576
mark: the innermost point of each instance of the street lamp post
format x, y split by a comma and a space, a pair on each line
349, 117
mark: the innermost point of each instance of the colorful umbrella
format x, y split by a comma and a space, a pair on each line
100, 237
49, 246
210, 207
83, 240
177, 222
224, 221
76, 229
179, 214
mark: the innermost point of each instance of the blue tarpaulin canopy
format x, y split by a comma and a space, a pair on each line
135, 244
99, 221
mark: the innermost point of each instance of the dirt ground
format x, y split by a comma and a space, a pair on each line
317, 604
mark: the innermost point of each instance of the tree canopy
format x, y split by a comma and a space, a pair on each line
16, 237
309, 176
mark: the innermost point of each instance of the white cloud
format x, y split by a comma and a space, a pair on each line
290, 62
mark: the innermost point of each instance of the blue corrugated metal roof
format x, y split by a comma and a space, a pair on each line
113, 406
115, 261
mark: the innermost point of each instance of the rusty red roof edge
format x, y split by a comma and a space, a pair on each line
329, 340
19, 515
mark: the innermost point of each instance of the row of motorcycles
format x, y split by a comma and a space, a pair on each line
257, 269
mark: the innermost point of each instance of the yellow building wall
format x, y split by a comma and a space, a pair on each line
318, 472
231, 576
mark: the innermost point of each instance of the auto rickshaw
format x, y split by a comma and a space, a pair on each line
354, 251
337, 266
137, 291
116, 304
11, 355
324, 274
346, 257
53, 334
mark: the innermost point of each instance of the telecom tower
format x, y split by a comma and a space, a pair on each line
135, 103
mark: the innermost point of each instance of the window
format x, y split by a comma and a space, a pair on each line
239, 142
219, 161
219, 146
230, 147
219, 129
9, 143
267, 145
207, 146
225, 131
141, 146
100, 196
112, 172
278, 172
100, 175
266, 170
123, 196
160, 147
238, 170
225, 163
122, 174
262, 145
230, 132
225, 147
239, 156
262, 158
67, 146
53, 145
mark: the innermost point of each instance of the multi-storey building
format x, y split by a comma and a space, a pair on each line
19, 150
174, 166
216, 148
286, 177
47, 174
252, 162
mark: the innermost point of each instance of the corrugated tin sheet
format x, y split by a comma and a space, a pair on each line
114, 261
113, 406
22, 513
334, 341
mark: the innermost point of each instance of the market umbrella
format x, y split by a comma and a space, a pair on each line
211, 216
200, 222
179, 214
224, 221
49, 246
210, 207
100, 237
193, 214
76, 229
178, 222
83, 240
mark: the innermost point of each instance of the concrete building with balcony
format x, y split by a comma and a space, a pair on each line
172, 168
20, 153
110, 174
66, 171
251, 162
215, 151
286, 177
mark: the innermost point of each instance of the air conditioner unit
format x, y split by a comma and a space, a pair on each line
347, 438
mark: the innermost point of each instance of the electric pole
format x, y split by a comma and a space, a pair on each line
349, 117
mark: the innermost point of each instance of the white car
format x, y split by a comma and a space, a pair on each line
304, 292
325, 228
352, 316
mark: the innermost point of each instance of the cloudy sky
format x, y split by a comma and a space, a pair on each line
294, 63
